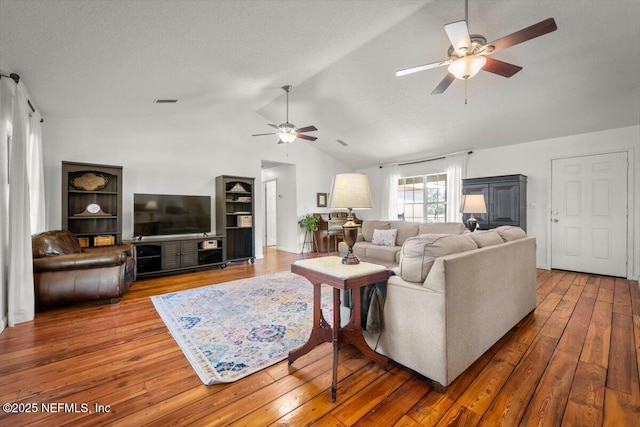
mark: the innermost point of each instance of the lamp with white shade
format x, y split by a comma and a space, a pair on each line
350, 191
473, 204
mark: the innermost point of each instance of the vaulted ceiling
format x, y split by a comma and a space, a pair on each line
113, 58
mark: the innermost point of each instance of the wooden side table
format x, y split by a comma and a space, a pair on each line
330, 271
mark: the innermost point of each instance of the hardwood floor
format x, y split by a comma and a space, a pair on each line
573, 362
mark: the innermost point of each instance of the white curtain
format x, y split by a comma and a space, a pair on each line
35, 170
5, 120
456, 171
389, 208
19, 263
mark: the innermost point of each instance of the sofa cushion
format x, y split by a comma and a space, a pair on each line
441, 228
419, 253
486, 238
369, 226
384, 237
382, 253
405, 229
510, 232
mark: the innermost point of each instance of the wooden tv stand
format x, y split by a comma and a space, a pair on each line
176, 254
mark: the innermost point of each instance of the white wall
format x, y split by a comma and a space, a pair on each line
533, 159
180, 154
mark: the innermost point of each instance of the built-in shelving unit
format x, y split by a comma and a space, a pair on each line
235, 216
92, 202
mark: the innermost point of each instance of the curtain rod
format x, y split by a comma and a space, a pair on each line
431, 159
16, 78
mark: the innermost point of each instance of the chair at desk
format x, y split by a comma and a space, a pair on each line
330, 226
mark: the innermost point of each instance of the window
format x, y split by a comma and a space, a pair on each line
423, 198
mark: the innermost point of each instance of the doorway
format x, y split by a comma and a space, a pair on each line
589, 214
270, 212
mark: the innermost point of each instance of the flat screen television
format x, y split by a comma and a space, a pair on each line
167, 214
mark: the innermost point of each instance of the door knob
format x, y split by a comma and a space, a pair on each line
555, 212
555, 220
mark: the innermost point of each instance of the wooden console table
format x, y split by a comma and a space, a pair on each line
331, 271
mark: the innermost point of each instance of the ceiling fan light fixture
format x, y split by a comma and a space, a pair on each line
287, 136
467, 66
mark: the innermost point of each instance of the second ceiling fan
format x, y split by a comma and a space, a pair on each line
287, 132
469, 53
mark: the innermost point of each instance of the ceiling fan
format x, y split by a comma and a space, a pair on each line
469, 53
288, 132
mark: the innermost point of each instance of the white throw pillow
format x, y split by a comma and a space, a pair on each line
384, 237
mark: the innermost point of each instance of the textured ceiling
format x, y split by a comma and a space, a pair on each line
112, 58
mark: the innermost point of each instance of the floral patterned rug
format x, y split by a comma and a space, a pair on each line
230, 330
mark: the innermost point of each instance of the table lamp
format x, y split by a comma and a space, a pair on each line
473, 203
350, 191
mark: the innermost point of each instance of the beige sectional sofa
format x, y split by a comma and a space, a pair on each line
453, 297
389, 256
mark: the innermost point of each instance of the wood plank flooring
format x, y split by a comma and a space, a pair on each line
573, 362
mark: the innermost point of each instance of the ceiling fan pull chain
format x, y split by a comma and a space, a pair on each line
466, 82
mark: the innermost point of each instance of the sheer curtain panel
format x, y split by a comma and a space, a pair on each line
389, 208
35, 169
17, 258
456, 171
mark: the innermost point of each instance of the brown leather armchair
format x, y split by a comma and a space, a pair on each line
64, 273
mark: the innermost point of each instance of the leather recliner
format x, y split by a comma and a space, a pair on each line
65, 273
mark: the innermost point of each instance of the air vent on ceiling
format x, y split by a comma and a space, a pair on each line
165, 101
341, 142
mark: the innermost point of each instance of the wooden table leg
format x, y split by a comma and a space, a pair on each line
336, 341
321, 332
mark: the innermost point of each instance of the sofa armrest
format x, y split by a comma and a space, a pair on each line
81, 261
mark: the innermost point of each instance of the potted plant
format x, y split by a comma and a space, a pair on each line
309, 222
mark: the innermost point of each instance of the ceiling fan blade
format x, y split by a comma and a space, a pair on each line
444, 84
308, 137
307, 129
273, 126
536, 30
261, 134
500, 68
422, 68
458, 33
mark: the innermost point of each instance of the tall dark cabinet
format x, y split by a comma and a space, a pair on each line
92, 203
235, 216
506, 199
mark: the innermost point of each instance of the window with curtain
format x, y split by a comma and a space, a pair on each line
423, 198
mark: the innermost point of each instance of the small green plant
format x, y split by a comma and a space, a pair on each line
309, 222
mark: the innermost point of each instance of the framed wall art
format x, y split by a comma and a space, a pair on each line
321, 200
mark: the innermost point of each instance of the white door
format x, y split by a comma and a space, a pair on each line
270, 198
589, 214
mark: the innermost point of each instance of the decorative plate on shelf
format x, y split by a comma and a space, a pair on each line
238, 188
89, 181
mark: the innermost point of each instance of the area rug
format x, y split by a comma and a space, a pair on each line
230, 330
